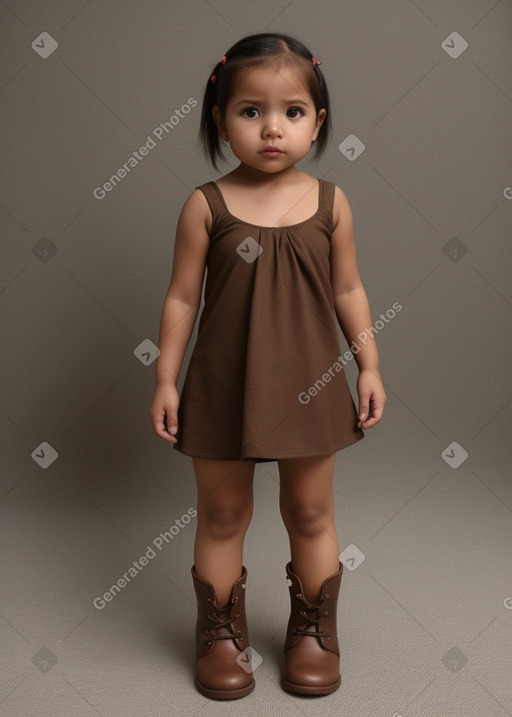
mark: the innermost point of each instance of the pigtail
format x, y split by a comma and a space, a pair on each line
208, 132
324, 134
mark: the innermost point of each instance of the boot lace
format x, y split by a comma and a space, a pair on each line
312, 622
220, 623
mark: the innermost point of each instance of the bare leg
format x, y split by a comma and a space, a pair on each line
224, 512
307, 508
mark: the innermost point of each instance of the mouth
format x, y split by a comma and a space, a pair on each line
271, 152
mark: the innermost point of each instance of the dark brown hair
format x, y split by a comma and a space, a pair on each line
250, 51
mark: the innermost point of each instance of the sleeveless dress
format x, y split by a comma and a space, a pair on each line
266, 378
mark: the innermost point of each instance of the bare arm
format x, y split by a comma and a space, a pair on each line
353, 312
180, 309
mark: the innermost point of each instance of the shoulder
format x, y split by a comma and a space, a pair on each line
196, 201
196, 210
341, 211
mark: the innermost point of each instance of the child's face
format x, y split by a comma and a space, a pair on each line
269, 108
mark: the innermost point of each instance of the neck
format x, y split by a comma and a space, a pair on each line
250, 176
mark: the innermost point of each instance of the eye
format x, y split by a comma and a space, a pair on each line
250, 112
293, 112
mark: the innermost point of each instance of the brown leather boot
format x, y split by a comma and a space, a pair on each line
312, 657
221, 637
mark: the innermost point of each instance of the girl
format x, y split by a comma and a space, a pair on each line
265, 380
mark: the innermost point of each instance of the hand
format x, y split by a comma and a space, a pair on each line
164, 412
372, 398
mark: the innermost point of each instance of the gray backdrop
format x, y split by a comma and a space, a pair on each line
422, 111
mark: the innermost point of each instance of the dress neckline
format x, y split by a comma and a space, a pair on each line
260, 226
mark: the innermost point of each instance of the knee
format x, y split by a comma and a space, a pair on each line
223, 523
308, 520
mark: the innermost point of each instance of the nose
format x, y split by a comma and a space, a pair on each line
272, 127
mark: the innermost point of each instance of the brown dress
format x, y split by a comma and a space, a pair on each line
265, 380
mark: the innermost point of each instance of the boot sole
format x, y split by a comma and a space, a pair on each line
311, 689
225, 694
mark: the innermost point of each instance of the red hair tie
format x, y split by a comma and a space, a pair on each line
213, 78
315, 61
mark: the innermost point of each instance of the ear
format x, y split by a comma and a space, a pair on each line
219, 121
319, 122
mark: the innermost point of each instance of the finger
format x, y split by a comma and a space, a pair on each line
171, 424
369, 423
159, 424
373, 419
364, 406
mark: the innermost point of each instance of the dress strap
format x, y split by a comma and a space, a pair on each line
326, 198
213, 198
